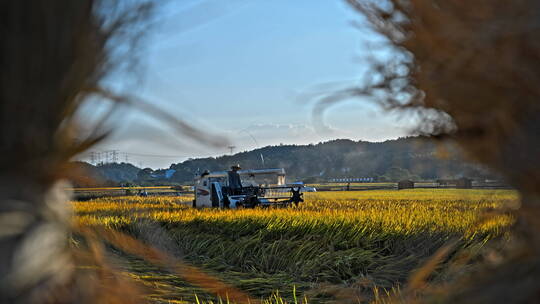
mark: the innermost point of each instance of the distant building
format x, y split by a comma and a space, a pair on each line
352, 180
462, 183
405, 184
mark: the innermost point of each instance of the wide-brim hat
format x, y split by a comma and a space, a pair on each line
237, 166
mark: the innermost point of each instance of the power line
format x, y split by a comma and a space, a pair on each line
113, 156
250, 135
156, 155
93, 158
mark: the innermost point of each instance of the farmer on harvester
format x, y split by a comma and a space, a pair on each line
235, 184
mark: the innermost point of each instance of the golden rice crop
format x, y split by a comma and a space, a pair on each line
403, 212
331, 238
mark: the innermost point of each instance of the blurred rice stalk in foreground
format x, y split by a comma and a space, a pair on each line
54, 55
470, 71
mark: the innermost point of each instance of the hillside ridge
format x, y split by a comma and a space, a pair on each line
404, 158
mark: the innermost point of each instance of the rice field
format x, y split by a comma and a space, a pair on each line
335, 246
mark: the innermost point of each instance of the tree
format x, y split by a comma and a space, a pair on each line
397, 174
145, 174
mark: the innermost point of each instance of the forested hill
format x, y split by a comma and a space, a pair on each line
86, 175
413, 157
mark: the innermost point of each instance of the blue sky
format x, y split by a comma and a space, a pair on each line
245, 70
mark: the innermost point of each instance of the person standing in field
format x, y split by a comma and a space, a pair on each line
235, 184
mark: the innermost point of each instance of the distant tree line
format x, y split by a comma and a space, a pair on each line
405, 158
414, 158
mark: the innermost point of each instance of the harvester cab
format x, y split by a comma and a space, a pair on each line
259, 187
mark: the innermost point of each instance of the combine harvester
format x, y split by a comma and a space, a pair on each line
245, 189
